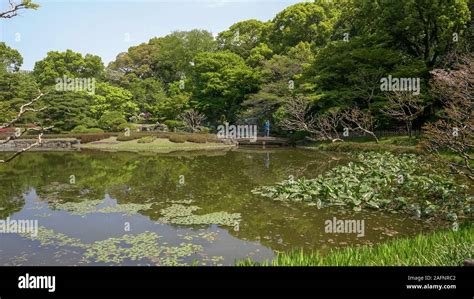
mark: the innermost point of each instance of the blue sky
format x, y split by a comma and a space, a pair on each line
102, 27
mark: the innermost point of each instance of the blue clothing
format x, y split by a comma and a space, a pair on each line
266, 128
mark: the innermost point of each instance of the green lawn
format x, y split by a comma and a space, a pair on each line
443, 248
158, 145
396, 144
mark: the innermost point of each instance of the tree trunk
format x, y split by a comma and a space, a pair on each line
409, 127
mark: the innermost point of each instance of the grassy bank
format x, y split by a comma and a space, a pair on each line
443, 248
397, 145
157, 145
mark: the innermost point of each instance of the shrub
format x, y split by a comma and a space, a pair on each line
86, 138
178, 138
122, 137
197, 138
369, 147
83, 129
95, 130
146, 139
175, 124
138, 135
79, 129
122, 127
204, 130
112, 120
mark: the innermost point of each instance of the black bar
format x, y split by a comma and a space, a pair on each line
244, 282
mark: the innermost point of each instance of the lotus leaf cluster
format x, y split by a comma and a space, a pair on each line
381, 181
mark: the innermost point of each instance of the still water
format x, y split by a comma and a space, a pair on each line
98, 208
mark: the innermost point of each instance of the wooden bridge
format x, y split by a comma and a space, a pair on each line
264, 141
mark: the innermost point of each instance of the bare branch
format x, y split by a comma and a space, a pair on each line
455, 131
21, 151
15, 8
360, 121
405, 107
23, 109
299, 118
193, 119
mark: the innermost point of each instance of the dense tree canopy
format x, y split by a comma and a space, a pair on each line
220, 83
10, 58
333, 53
70, 64
244, 36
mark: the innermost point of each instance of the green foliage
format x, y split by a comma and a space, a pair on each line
73, 65
123, 137
303, 22
10, 58
424, 28
379, 181
16, 89
129, 126
353, 146
111, 98
146, 139
165, 58
242, 37
259, 54
143, 246
67, 110
184, 215
276, 74
174, 124
197, 138
335, 53
82, 129
112, 120
220, 84
91, 136
170, 107
444, 248
348, 73
91, 206
178, 138
146, 93
177, 50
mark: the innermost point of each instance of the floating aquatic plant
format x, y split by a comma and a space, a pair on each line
183, 215
208, 236
116, 250
48, 237
144, 246
127, 209
91, 206
379, 181
79, 208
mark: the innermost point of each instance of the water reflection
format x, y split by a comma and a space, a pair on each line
202, 192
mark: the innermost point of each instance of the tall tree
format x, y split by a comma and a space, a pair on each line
175, 57
220, 83
10, 59
426, 29
243, 36
303, 22
280, 79
71, 64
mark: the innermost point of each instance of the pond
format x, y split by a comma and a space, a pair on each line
102, 208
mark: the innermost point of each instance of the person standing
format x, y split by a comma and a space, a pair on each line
266, 128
